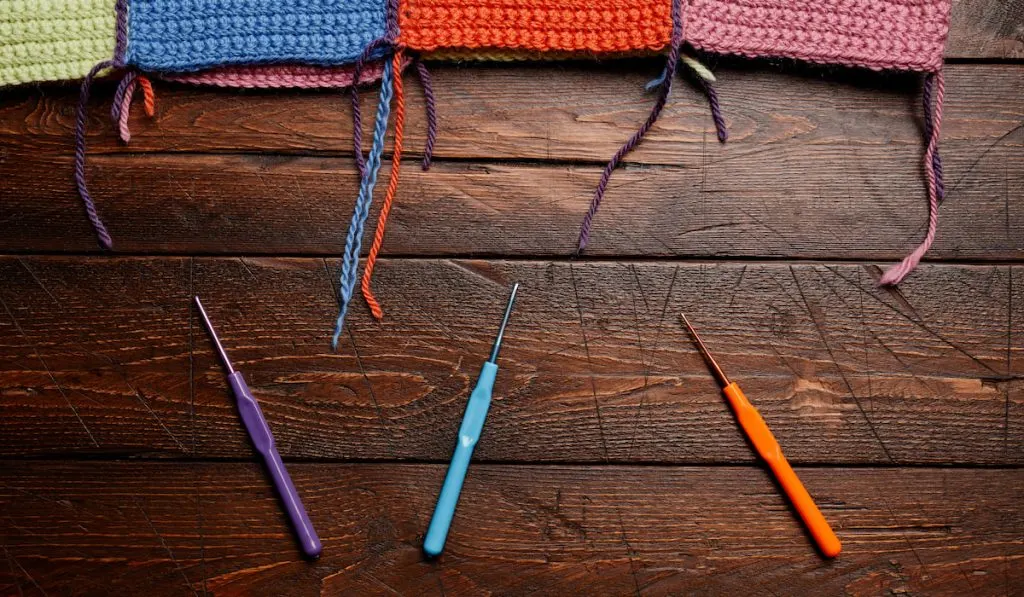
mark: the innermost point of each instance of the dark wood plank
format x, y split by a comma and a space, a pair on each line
96, 353
826, 171
801, 201
983, 29
168, 529
509, 112
595, 366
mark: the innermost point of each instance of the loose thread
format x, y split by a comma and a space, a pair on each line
716, 111
389, 196
428, 95
666, 87
895, 274
121, 106
148, 97
353, 241
696, 66
80, 147
706, 80
357, 112
926, 97
122, 88
126, 108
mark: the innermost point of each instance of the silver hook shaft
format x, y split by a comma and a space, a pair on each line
504, 322
213, 336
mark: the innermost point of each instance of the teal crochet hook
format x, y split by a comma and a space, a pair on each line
469, 435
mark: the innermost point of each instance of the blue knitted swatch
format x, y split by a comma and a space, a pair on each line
354, 240
186, 35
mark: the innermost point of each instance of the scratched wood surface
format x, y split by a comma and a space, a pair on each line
595, 369
181, 528
610, 464
839, 149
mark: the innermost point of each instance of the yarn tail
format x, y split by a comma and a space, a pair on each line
933, 171
120, 109
353, 241
357, 112
389, 196
929, 127
102, 235
666, 87
148, 97
716, 111
707, 82
124, 89
428, 97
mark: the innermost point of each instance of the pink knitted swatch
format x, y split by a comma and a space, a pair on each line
275, 76
877, 34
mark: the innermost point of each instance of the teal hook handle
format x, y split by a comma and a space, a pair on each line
469, 435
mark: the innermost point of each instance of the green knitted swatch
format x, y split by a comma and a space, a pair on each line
54, 40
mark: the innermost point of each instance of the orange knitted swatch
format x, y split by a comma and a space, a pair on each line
542, 25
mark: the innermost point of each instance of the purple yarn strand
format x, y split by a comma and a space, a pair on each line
392, 24
83, 190
122, 88
666, 88
357, 113
121, 40
929, 125
716, 112
428, 96
390, 36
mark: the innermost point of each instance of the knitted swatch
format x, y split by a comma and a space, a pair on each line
901, 34
286, 75
322, 43
53, 40
552, 25
185, 35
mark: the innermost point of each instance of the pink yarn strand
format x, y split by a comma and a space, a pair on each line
895, 274
126, 108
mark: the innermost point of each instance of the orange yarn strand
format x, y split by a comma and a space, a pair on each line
389, 196
148, 99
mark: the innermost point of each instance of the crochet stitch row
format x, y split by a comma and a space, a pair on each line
878, 34
185, 35
43, 40
53, 40
558, 25
296, 76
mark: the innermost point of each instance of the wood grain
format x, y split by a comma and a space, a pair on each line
828, 170
501, 112
797, 202
168, 529
980, 29
123, 467
595, 366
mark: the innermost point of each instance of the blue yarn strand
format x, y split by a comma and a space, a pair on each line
354, 240
655, 83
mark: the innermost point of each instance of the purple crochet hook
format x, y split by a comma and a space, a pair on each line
259, 431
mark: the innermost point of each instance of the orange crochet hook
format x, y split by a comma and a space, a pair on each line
768, 448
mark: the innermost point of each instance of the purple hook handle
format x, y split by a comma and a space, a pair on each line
259, 431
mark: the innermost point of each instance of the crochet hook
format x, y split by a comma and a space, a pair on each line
469, 435
768, 448
262, 439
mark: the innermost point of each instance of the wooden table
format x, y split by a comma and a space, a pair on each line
610, 463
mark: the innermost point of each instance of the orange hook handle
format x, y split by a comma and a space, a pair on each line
768, 447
